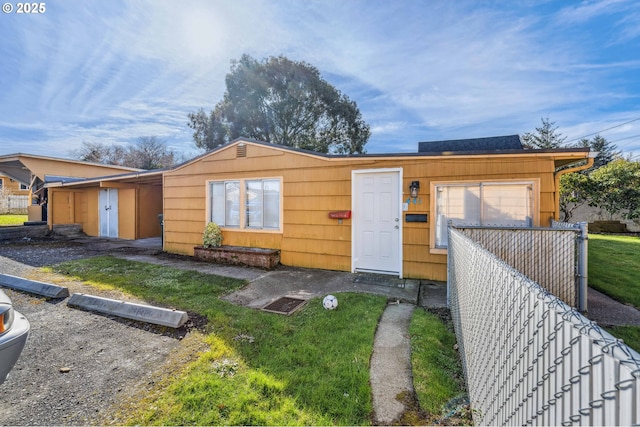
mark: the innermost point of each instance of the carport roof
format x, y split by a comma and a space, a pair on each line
25, 168
152, 177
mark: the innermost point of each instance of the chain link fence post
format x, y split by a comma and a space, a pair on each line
583, 266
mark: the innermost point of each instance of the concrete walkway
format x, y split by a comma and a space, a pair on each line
606, 311
390, 370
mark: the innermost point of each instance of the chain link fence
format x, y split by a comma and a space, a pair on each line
529, 358
554, 257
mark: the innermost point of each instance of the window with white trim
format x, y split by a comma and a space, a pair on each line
225, 203
246, 204
263, 204
498, 204
24, 186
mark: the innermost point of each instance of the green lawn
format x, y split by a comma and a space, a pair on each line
614, 266
614, 269
258, 368
8, 219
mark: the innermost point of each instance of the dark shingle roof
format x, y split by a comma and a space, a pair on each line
492, 143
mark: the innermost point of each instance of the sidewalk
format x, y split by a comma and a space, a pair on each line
390, 371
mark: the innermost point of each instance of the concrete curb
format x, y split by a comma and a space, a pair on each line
33, 287
130, 310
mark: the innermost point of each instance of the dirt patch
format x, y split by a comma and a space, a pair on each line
456, 413
78, 366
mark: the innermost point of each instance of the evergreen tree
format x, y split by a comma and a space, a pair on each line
545, 136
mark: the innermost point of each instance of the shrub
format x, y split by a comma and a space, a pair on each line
212, 237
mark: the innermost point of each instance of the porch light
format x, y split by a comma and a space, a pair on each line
413, 189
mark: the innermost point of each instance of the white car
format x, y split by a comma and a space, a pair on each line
14, 328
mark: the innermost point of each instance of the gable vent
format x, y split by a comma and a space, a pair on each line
241, 150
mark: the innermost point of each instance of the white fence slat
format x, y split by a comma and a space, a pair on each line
13, 204
528, 357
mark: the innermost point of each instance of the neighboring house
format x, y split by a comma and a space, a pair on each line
14, 196
38, 171
13, 186
355, 212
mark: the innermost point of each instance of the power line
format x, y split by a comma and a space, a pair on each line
626, 137
604, 130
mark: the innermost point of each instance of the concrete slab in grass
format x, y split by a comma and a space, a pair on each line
33, 287
130, 310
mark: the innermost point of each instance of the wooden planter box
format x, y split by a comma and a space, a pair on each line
239, 255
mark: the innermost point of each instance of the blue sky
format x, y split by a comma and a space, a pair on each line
113, 71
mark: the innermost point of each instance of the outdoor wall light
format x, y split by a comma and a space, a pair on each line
413, 189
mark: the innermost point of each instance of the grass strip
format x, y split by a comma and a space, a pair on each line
629, 334
437, 371
613, 267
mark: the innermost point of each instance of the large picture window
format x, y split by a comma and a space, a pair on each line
497, 204
246, 204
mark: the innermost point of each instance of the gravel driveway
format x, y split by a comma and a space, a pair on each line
77, 367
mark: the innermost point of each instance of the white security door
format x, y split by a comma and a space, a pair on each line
377, 228
108, 212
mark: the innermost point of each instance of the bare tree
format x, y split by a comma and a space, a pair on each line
98, 152
148, 152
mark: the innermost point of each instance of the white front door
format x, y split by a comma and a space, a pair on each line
108, 212
376, 221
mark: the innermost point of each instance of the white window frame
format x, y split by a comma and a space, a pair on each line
243, 224
225, 209
246, 201
24, 186
534, 200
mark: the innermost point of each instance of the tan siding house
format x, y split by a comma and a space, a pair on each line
356, 213
14, 187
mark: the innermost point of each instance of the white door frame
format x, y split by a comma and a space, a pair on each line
355, 214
